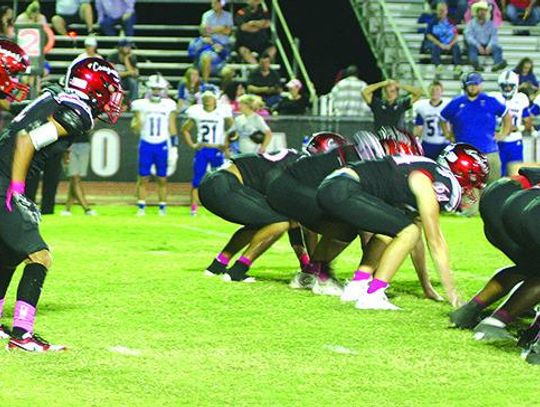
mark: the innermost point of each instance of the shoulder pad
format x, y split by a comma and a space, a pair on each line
79, 106
72, 120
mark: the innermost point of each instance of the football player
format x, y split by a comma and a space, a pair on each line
511, 147
44, 127
427, 114
155, 119
212, 122
371, 196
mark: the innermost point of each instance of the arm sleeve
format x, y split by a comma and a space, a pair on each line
469, 35
448, 112
262, 126
130, 6
493, 39
499, 108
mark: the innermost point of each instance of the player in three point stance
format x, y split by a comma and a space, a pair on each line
46, 126
237, 193
212, 121
155, 119
385, 196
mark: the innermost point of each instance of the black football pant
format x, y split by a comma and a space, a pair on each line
51, 178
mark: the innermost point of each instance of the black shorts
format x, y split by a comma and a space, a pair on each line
19, 230
223, 195
343, 198
254, 44
71, 18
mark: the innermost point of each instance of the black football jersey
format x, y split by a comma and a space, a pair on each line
37, 113
387, 179
258, 170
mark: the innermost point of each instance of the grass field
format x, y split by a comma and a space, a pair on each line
145, 327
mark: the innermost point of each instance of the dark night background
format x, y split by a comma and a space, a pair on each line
329, 33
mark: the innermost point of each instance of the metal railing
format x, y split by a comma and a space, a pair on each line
374, 16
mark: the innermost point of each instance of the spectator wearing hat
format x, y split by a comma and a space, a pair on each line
90, 48
112, 12
125, 62
72, 11
482, 39
265, 82
521, 12
293, 102
253, 34
347, 94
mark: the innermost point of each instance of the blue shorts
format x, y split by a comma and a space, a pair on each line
510, 151
217, 63
156, 154
203, 157
432, 150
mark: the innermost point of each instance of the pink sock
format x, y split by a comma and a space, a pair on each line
24, 316
479, 302
223, 259
304, 259
245, 260
376, 285
2, 306
502, 315
360, 275
194, 207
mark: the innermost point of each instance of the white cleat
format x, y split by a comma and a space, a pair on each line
227, 278
4, 332
327, 287
66, 213
302, 280
141, 212
354, 290
90, 212
162, 212
376, 300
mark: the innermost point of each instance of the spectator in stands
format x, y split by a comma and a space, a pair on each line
293, 102
265, 82
227, 77
254, 135
7, 29
217, 23
528, 83
347, 94
494, 12
125, 62
444, 37
230, 95
457, 9
482, 39
253, 35
208, 54
189, 89
32, 15
90, 48
521, 12
389, 109
112, 12
72, 11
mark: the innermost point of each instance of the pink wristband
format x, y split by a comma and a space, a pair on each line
17, 187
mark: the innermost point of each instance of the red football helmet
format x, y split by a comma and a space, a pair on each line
324, 142
97, 80
467, 163
399, 142
13, 61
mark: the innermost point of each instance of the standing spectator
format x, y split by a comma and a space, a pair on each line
254, 135
347, 94
125, 62
427, 113
473, 119
528, 83
32, 15
90, 48
521, 12
7, 29
112, 12
444, 37
481, 36
72, 11
217, 23
189, 89
389, 109
293, 102
208, 54
253, 35
265, 82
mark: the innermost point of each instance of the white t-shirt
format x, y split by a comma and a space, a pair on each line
429, 117
210, 125
155, 118
516, 106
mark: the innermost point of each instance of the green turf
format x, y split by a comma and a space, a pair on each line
137, 283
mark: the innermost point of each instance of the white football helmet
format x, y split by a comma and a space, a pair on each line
508, 83
157, 87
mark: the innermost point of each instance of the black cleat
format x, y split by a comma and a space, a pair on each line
466, 317
215, 269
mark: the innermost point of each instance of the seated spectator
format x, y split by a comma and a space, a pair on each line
293, 102
227, 75
265, 82
209, 55
457, 9
528, 83
7, 29
230, 95
125, 62
443, 36
347, 94
521, 12
494, 14
73, 11
482, 39
217, 23
90, 48
189, 89
253, 35
32, 15
112, 12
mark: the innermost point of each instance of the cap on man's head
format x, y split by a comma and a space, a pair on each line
90, 41
294, 83
351, 70
124, 42
472, 78
479, 5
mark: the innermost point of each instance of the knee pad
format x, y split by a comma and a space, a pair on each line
42, 257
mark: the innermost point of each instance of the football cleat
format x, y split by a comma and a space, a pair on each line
33, 343
302, 280
141, 212
215, 269
355, 289
227, 278
376, 300
329, 286
4, 332
66, 213
90, 212
162, 212
488, 330
529, 336
465, 317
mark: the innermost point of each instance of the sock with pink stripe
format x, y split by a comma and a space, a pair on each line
376, 285
503, 316
23, 318
304, 259
360, 275
28, 294
245, 260
223, 259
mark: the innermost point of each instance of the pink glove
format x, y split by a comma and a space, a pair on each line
15, 188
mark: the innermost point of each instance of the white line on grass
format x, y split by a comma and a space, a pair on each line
124, 350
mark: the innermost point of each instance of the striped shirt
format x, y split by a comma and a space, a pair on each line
347, 97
